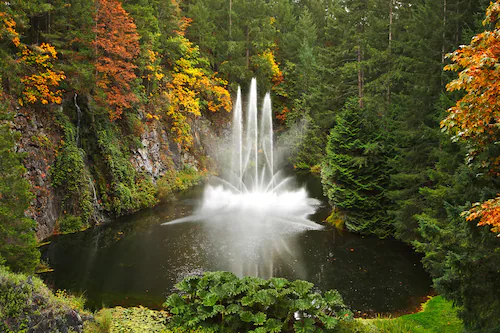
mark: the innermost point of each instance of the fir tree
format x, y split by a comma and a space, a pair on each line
354, 172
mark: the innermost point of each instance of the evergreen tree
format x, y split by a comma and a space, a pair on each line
417, 104
354, 172
17, 233
462, 258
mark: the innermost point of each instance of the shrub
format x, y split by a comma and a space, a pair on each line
70, 223
221, 302
17, 235
173, 181
27, 305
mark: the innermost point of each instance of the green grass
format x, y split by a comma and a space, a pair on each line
438, 316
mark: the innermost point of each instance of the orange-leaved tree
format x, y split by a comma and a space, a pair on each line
475, 118
116, 46
8, 28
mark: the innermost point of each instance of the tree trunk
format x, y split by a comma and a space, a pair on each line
443, 48
230, 19
360, 77
248, 48
391, 12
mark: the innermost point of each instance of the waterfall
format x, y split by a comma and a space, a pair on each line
79, 118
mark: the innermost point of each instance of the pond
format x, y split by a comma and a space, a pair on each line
135, 260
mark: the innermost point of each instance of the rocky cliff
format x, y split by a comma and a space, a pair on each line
82, 166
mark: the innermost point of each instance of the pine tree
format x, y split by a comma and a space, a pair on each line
354, 171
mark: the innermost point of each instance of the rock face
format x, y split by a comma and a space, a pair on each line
41, 138
160, 153
154, 158
39, 141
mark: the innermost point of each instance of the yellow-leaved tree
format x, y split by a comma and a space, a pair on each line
187, 88
40, 82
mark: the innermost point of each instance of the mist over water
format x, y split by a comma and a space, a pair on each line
253, 212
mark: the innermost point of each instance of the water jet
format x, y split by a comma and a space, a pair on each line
253, 211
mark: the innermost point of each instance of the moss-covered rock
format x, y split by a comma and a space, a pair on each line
27, 305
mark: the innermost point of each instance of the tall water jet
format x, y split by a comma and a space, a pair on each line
253, 213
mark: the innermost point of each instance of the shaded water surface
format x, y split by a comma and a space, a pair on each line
134, 260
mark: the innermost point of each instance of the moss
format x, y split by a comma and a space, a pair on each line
70, 223
17, 236
336, 219
123, 190
173, 181
27, 305
316, 169
437, 316
71, 178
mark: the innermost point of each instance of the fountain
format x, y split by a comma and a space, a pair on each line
252, 212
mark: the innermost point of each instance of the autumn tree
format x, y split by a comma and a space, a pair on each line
43, 82
116, 46
40, 82
190, 89
475, 118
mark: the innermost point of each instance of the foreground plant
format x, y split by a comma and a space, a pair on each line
222, 302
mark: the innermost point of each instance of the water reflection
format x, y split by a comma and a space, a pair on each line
135, 260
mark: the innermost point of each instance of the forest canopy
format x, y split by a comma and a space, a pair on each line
395, 103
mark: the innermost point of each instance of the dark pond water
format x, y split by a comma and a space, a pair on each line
136, 261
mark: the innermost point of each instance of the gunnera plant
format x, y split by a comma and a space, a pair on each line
222, 302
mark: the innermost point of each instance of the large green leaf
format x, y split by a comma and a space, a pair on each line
301, 287
210, 299
259, 318
273, 325
305, 325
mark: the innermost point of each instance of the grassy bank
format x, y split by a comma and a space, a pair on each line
437, 316
26, 304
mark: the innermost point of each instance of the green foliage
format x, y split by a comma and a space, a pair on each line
173, 181
70, 176
221, 302
17, 236
437, 316
69, 224
354, 171
14, 296
305, 140
27, 305
102, 323
462, 258
122, 189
